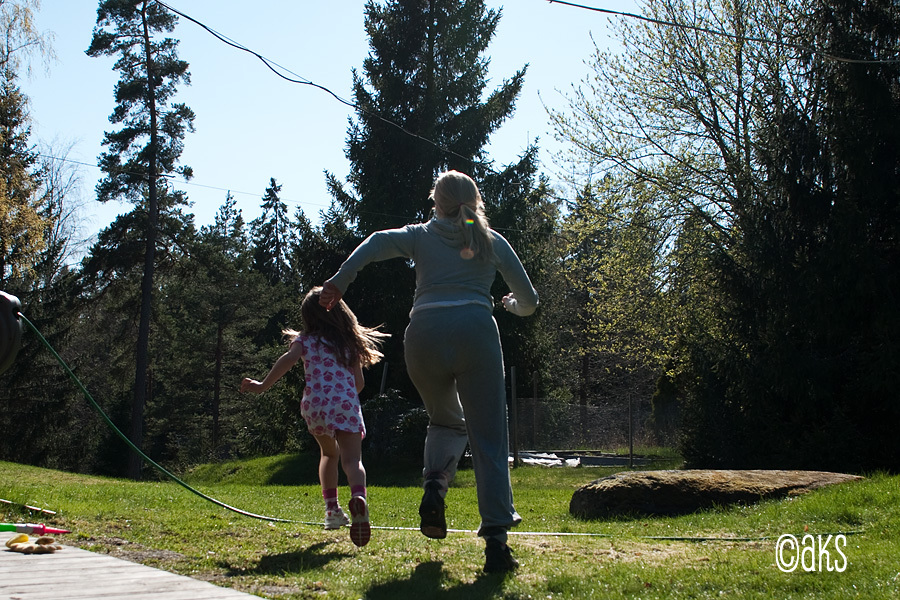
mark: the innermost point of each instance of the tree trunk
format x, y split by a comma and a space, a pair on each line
143, 341
217, 385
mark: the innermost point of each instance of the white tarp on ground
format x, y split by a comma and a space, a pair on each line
547, 460
552, 459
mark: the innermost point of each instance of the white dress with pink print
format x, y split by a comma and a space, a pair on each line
330, 402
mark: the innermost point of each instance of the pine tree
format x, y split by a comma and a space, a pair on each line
21, 225
146, 147
272, 237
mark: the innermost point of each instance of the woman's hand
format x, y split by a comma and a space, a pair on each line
330, 295
508, 301
512, 304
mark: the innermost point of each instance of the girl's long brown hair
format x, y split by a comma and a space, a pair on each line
339, 329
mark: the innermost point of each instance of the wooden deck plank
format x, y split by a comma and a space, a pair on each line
77, 574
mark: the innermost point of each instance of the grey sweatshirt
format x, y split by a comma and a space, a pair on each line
443, 277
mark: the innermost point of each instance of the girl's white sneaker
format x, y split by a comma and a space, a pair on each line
335, 519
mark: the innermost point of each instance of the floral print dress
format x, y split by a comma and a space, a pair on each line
330, 402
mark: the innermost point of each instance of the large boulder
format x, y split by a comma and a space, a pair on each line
682, 492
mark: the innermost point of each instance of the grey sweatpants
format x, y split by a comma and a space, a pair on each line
454, 359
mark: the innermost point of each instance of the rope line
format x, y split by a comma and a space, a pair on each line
130, 444
659, 538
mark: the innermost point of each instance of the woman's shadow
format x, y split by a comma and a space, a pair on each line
425, 582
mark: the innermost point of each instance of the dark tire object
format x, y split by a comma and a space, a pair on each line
10, 330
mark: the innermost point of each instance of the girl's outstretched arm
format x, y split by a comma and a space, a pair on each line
281, 366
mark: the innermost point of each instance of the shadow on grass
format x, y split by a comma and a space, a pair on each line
425, 582
301, 561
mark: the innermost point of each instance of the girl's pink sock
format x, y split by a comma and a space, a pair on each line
358, 490
331, 498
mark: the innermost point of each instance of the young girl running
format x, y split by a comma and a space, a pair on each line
334, 348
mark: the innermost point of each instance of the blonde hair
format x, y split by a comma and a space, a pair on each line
456, 197
339, 329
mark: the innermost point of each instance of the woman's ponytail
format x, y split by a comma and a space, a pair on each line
457, 198
476, 232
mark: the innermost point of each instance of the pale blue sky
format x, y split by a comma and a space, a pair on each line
252, 125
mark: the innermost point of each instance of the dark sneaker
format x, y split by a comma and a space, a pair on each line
431, 510
498, 557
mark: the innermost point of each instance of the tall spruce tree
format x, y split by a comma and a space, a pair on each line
422, 109
147, 146
820, 312
272, 237
795, 363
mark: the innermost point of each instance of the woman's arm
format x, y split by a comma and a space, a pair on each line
522, 301
381, 245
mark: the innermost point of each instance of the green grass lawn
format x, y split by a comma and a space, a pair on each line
164, 525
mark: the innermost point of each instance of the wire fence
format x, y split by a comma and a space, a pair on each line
544, 425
